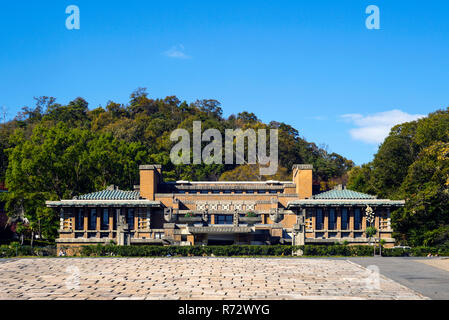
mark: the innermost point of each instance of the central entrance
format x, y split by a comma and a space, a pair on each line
220, 239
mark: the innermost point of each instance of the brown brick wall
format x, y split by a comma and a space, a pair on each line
303, 180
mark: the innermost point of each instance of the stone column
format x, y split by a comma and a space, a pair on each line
313, 219
191, 239
388, 219
86, 221
299, 231
326, 222
236, 218
122, 229
148, 213
73, 221
302, 228
136, 222
99, 212
338, 217
376, 218
111, 222
61, 219
351, 221
364, 220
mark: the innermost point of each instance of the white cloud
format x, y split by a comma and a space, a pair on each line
374, 128
176, 52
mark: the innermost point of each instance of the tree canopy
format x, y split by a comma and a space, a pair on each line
53, 151
413, 164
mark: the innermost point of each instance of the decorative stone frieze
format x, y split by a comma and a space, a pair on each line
224, 205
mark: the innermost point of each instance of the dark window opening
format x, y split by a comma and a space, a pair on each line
130, 219
224, 219
105, 220
93, 219
319, 219
79, 220
332, 219
357, 219
344, 219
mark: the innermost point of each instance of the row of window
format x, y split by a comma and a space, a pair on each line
231, 192
104, 215
332, 219
223, 218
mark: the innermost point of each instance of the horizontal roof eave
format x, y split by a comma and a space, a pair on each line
229, 182
318, 202
69, 203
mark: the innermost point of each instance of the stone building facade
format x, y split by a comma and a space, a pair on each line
213, 213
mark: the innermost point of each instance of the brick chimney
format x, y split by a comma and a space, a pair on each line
302, 178
150, 177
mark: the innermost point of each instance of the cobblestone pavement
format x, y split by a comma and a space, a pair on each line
194, 279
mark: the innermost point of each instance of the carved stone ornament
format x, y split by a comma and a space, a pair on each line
275, 215
205, 216
200, 206
250, 206
370, 215
169, 215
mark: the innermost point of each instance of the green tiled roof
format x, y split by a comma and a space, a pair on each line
343, 194
111, 195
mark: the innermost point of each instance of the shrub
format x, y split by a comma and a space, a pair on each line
224, 251
189, 215
16, 250
415, 252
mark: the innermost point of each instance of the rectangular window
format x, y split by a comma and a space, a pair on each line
261, 191
344, 219
130, 219
79, 220
224, 219
357, 219
238, 191
216, 191
105, 220
250, 191
93, 219
332, 219
319, 219
227, 191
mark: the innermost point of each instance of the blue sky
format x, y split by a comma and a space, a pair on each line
311, 64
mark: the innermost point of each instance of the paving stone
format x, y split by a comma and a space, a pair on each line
192, 279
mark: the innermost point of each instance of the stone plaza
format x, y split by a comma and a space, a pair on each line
207, 278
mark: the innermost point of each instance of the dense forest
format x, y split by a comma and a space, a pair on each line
413, 164
52, 151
